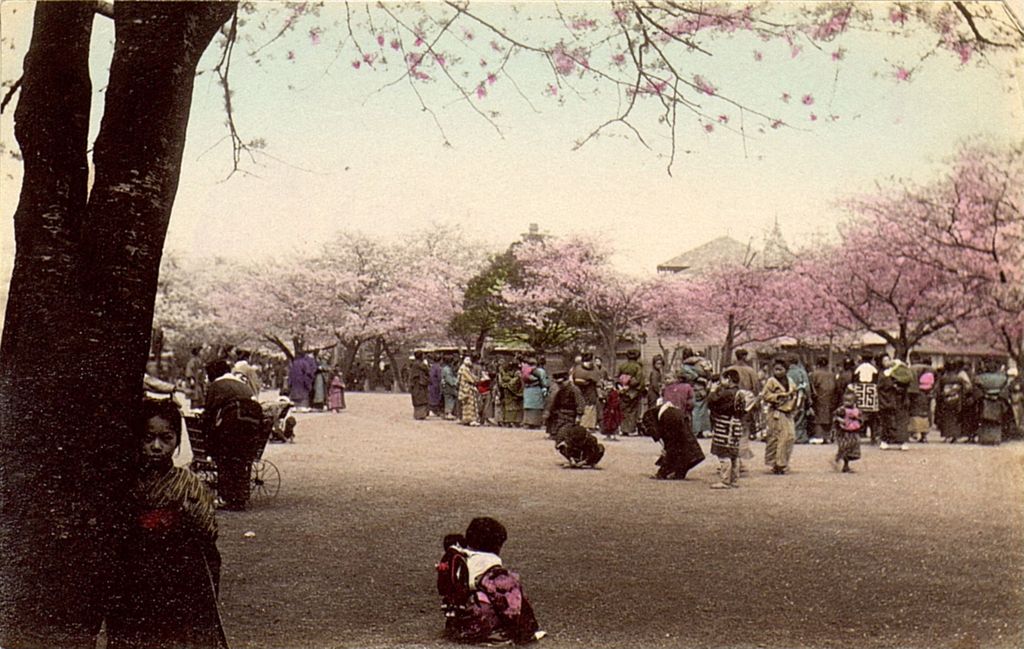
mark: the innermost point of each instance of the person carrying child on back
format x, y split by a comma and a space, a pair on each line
482, 601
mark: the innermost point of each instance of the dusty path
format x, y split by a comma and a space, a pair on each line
918, 549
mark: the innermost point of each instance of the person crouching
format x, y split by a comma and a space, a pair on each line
579, 446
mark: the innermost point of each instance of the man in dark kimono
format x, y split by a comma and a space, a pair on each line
434, 396
230, 433
419, 385
823, 393
671, 427
566, 407
300, 379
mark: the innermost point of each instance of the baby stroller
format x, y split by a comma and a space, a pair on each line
264, 478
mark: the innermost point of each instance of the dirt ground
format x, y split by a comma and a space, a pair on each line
916, 549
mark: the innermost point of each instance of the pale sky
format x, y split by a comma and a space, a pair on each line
345, 156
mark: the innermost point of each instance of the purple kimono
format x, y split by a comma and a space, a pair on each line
497, 610
300, 379
434, 397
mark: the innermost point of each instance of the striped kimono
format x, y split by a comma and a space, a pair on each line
468, 394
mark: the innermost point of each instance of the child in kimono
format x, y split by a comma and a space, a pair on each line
482, 600
168, 567
727, 406
847, 425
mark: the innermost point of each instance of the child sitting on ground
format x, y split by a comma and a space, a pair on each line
482, 601
847, 424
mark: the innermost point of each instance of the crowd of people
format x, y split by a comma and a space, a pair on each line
880, 399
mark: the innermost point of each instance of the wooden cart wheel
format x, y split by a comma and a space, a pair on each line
266, 480
207, 472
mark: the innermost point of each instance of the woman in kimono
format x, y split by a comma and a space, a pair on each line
696, 372
449, 387
511, 394
168, 566
535, 388
319, 396
336, 393
419, 385
468, 394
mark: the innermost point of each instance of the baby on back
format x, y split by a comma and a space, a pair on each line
481, 599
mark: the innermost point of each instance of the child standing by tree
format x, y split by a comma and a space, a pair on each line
169, 565
847, 424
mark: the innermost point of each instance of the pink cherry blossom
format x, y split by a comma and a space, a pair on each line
709, 127
795, 50
836, 24
481, 91
491, 78
395, 44
902, 74
314, 35
839, 54
703, 85
964, 50
807, 100
619, 59
758, 56
897, 16
723, 119
814, 117
380, 39
357, 64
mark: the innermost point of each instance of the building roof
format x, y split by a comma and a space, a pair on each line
717, 252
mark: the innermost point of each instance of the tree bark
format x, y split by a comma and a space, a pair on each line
40, 591
80, 310
730, 341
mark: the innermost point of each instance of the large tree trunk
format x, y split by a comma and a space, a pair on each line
45, 592
80, 310
730, 341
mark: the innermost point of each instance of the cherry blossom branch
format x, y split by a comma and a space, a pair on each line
10, 94
978, 36
430, 48
223, 70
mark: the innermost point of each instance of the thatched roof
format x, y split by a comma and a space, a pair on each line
717, 252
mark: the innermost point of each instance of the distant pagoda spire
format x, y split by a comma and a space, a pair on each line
776, 254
